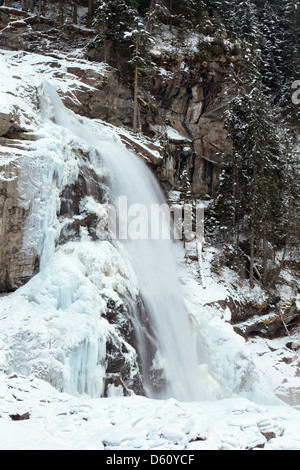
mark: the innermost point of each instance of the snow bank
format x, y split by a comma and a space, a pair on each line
58, 70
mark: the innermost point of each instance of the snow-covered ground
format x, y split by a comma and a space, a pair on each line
56, 421
272, 365
43, 322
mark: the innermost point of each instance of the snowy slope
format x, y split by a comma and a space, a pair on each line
256, 366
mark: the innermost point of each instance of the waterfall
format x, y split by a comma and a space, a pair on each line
152, 259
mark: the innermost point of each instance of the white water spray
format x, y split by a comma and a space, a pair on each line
152, 260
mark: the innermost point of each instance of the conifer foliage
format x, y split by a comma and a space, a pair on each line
117, 22
250, 200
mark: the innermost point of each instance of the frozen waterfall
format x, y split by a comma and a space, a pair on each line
152, 259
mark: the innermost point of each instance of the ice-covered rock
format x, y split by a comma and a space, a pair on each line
51, 187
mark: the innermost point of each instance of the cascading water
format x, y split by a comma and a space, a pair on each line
152, 259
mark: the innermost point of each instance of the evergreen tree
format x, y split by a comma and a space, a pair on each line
291, 200
291, 52
246, 21
221, 13
188, 15
129, 41
270, 44
250, 195
157, 10
117, 23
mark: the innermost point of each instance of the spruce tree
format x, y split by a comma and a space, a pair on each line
120, 28
270, 45
251, 205
158, 10
291, 202
188, 15
116, 22
291, 50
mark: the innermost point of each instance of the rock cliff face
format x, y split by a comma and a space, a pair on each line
186, 116
188, 99
17, 266
185, 113
192, 98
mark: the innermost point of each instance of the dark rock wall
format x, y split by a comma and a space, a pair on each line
187, 95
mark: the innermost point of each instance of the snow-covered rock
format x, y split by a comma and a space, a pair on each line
52, 187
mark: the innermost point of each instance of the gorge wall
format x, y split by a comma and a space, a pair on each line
185, 112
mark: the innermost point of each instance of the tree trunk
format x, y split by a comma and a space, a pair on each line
24, 4
285, 250
31, 5
42, 7
151, 16
61, 14
235, 218
7, 3
135, 116
265, 258
251, 269
253, 218
75, 13
90, 13
265, 250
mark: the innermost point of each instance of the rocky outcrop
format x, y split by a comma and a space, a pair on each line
96, 94
17, 123
270, 319
8, 123
22, 30
109, 100
119, 371
192, 98
17, 266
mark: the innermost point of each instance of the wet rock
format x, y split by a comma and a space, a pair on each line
125, 366
266, 319
293, 345
122, 367
270, 326
242, 311
18, 417
192, 101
